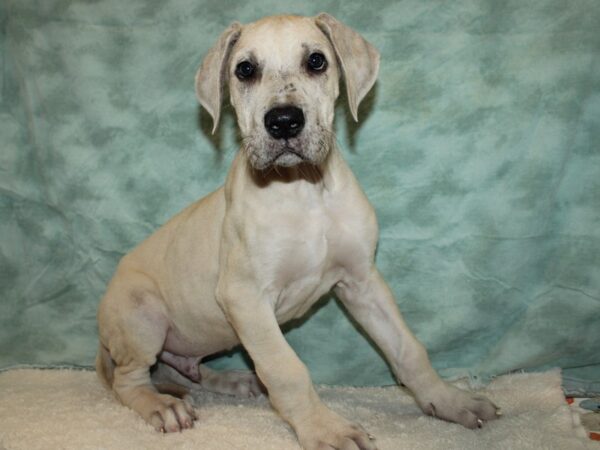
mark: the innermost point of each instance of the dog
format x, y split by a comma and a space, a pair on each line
290, 224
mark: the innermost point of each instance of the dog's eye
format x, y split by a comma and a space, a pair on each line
245, 70
316, 62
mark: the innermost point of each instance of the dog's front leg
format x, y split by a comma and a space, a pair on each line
286, 378
372, 304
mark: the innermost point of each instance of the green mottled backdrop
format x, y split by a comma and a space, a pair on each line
479, 147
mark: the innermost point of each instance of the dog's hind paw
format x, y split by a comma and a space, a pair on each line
171, 414
239, 383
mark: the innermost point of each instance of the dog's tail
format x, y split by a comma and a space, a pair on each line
105, 366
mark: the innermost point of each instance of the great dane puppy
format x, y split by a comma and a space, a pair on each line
290, 224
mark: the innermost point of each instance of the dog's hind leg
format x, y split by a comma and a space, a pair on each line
239, 383
133, 329
105, 366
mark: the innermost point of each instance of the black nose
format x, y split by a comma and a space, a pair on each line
284, 122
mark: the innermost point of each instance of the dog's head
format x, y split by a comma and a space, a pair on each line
283, 75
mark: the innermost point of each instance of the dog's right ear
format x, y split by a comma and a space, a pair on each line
212, 74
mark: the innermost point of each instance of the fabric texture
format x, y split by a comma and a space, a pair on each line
71, 410
479, 148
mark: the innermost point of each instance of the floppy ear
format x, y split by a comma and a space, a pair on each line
212, 74
358, 59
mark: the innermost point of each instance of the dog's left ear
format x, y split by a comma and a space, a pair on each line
212, 74
358, 59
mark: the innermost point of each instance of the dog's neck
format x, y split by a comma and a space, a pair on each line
301, 172
310, 183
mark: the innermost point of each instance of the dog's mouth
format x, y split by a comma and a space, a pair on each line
305, 149
287, 157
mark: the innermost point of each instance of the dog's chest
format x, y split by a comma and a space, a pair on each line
303, 249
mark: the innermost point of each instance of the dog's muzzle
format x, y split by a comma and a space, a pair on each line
283, 123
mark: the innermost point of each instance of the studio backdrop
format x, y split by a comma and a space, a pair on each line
479, 148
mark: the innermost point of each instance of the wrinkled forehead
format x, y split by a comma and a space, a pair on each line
280, 40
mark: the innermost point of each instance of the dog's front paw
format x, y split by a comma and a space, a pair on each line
455, 405
326, 430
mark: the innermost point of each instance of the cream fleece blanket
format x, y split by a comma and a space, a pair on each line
68, 409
